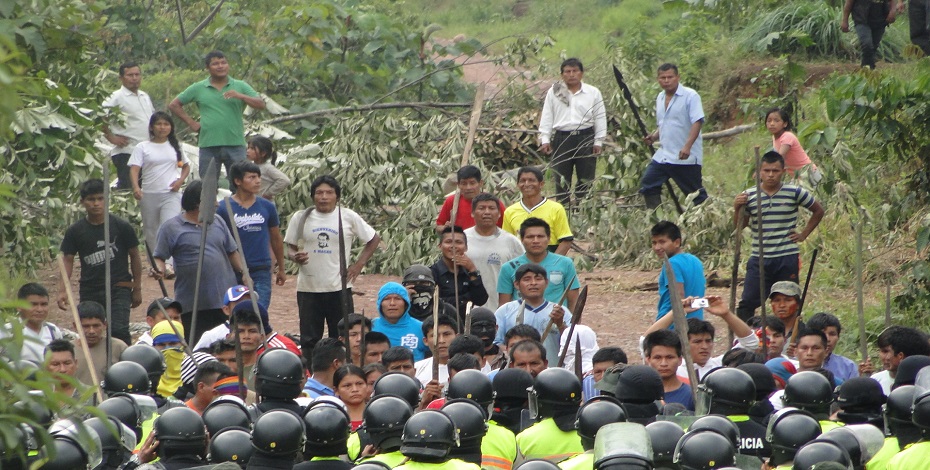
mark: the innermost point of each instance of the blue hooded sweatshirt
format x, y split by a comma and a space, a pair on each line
408, 331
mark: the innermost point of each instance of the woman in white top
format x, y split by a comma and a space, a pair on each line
163, 168
261, 152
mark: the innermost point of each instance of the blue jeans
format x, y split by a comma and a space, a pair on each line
261, 278
687, 177
869, 39
225, 154
120, 303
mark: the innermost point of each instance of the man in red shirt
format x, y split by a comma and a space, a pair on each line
469, 185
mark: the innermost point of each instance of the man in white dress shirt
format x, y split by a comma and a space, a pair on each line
572, 128
134, 108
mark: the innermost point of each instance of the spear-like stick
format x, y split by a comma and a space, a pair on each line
108, 258
344, 279
761, 240
681, 323
863, 341
80, 329
206, 216
578, 309
561, 302
436, 303
734, 274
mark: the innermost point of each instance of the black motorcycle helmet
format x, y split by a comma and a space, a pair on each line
725, 390
472, 385
809, 391
126, 377
384, 418
278, 432
76, 446
704, 450
131, 410
400, 385
468, 418
328, 429
279, 374
719, 424
149, 358
664, 436
554, 388
788, 430
510, 385
180, 431
116, 440
232, 444
226, 411
429, 436
639, 384
818, 451
595, 413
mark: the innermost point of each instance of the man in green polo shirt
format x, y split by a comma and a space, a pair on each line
221, 101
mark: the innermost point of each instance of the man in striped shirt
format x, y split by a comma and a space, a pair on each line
779, 213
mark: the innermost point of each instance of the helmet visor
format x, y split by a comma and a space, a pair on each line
622, 441
533, 403
705, 397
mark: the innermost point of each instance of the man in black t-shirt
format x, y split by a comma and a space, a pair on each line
870, 18
85, 239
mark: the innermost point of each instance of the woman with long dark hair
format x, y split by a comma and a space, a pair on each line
163, 168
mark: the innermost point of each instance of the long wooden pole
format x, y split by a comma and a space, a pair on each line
681, 324
344, 280
108, 259
79, 328
863, 341
734, 273
761, 242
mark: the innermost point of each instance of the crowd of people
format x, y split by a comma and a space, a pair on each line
477, 360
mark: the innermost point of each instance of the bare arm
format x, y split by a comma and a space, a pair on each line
847, 9
363, 257
135, 264
134, 171
178, 109
503, 298
738, 205
817, 213
661, 324
572, 298
62, 294
277, 248
693, 134
783, 149
234, 259
564, 246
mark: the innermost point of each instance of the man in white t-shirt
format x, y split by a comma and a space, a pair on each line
489, 247
132, 126
37, 333
312, 240
894, 344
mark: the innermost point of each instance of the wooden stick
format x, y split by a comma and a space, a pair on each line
761, 241
681, 324
887, 304
436, 303
108, 260
562, 303
734, 273
863, 342
79, 328
807, 283
344, 280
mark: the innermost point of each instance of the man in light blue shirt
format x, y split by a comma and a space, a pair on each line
534, 234
679, 117
531, 281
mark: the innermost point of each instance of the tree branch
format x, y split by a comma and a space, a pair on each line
205, 22
177, 4
369, 107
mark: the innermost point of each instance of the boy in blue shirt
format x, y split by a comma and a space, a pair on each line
689, 271
395, 321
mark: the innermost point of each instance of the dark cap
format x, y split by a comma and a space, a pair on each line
418, 273
761, 377
608, 382
639, 384
861, 392
166, 303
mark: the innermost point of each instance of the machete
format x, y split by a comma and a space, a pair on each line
161, 282
468, 308
561, 302
576, 319
628, 95
206, 216
807, 283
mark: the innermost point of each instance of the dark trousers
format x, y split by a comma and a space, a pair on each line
782, 268
919, 19
121, 162
687, 177
315, 308
869, 39
573, 152
206, 320
120, 304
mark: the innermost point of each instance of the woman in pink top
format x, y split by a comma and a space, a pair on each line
798, 164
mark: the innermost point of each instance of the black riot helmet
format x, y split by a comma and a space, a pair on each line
233, 444
860, 441
472, 385
226, 411
726, 391
400, 385
279, 374
920, 411
126, 377
809, 391
116, 440
719, 424
510, 386
149, 358
34, 410
623, 446
639, 385
131, 410
76, 446
180, 431
704, 450
429, 436
595, 413
664, 436
898, 415
279, 432
384, 418
555, 388
328, 429
468, 418
787, 431
818, 451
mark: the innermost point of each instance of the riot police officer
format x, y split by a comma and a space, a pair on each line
554, 401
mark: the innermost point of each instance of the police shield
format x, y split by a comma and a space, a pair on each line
622, 446
82, 437
861, 441
703, 401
